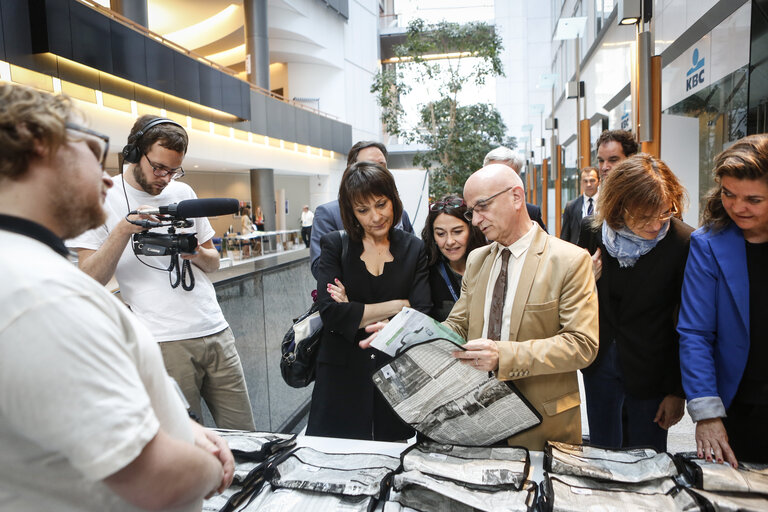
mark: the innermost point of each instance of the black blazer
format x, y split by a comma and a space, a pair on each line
572, 220
344, 400
638, 309
534, 212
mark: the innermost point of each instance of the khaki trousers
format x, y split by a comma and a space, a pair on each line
209, 368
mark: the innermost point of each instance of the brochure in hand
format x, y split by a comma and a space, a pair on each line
410, 327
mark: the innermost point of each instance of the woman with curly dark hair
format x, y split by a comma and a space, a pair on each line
448, 238
723, 323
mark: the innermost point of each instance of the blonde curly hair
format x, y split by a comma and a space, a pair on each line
29, 117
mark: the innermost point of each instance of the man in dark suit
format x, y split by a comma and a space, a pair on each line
582, 206
505, 156
328, 216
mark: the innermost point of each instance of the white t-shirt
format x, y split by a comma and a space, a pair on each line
306, 218
83, 387
170, 313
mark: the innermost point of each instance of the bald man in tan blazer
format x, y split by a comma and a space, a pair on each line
549, 323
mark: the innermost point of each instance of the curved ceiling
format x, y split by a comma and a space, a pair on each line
215, 30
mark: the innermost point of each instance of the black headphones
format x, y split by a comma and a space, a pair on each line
131, 151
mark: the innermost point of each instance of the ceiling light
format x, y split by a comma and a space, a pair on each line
629, 12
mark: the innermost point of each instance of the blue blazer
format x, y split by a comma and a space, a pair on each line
714, 320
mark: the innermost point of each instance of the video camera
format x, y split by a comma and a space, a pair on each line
176, 216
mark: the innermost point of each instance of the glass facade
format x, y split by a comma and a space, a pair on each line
721, 109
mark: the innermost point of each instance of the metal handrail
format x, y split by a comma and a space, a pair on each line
167, 42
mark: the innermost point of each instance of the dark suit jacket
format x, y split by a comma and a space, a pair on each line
638, 309
344, 400
327, 219
534, 212
572, 220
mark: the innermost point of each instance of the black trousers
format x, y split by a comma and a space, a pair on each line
306, 233
746, 426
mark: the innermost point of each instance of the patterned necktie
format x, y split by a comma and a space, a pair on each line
497, 299
590, 208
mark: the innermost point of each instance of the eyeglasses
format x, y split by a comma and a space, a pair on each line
448, 203
99, 145
482, 205
644, 221
162, 171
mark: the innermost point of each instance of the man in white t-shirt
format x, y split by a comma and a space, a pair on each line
306, 224
197, 344
89, 419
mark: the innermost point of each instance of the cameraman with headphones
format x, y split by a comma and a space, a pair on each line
196, 341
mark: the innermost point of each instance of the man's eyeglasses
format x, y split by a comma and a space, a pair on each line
98, 143
162, 171
448, 203
663, 217
482, 205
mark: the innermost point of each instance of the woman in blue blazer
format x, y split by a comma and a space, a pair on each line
723, 322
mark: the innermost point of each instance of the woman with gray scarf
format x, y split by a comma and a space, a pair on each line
639, 249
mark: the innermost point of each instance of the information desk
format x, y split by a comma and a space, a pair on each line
259, 243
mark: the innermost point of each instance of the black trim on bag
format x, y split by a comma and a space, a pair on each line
548, 455
526, 469
547, 499
271, 471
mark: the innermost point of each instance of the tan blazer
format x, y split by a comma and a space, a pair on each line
553, 328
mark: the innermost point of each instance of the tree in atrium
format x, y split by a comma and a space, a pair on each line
441, 59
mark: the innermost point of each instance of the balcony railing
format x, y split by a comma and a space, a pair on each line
157, 37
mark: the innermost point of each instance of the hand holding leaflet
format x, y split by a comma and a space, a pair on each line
408, 328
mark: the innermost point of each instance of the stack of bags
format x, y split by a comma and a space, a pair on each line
252, 452
726, 488
438, 477
307, 479
587, 478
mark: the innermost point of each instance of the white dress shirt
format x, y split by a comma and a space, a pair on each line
518, 251
585, 204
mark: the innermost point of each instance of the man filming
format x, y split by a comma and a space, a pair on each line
197, 344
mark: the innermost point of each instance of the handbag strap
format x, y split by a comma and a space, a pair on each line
344, 245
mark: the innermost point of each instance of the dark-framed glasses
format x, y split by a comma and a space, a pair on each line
162, 171
482, 205
438, 206
98, 143
662, 217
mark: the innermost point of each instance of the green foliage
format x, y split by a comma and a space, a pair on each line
458, 136
462, 137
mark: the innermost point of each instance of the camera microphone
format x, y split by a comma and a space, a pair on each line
194, 208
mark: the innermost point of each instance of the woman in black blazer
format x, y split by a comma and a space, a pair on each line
382, 270
639, 252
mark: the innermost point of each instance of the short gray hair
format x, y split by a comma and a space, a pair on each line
506, 156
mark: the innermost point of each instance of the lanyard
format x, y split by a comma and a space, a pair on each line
447, 280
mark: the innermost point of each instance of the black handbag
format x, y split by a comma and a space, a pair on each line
302, 341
